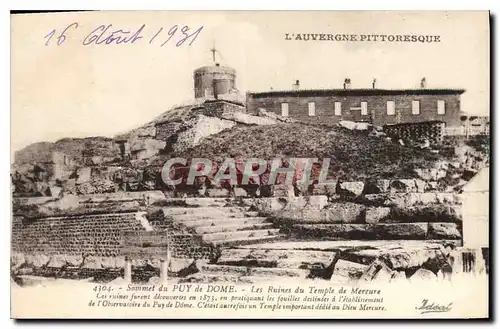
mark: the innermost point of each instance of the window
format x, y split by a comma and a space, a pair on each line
441, 107
312, 109
338, 108
284, 109
415, 107
391, 108
364, 108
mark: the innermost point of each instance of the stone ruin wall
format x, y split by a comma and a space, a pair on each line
93, 242
197, 128
166, 130
431, 130
221, 109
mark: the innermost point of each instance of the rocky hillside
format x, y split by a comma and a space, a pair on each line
126, 162
81, 151
354, 155
218, 129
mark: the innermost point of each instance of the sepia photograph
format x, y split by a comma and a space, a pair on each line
250, 164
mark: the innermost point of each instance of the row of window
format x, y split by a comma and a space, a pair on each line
391, 108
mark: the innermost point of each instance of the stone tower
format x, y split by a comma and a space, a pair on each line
212, 81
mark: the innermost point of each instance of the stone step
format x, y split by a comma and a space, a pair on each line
224, 221
255, 271
407, 231
245, 241
303, 259
203, 212
346, 245
286, 272
392, 231
211, 278
204, 202
241, 235
231, 228
252, 214
221, 215
226, 278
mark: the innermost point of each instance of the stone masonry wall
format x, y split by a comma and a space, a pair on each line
351, 102
96, 238
189, 246
221, 108
432, 131
165, 130
94, 235
182, 243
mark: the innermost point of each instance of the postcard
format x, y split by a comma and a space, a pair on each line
234, 164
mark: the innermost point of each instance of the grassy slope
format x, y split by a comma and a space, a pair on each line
354, 155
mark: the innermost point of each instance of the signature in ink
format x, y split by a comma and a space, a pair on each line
431, 307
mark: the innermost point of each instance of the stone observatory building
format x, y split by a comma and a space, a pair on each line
213, 81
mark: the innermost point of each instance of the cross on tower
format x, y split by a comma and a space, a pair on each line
213, 50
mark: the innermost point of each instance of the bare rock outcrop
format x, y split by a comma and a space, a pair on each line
274, 116
197, 128
249, 119
374, 215
423, 275
444, 231
350, 188
377, 271
407, 186
402, 231
346, 271
342, 212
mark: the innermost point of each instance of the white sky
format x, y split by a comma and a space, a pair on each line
73, 90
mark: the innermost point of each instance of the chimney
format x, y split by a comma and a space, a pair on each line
296, 85
347, 83
374, 83
423, 83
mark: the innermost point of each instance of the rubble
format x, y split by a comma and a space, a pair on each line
378, 271
345, 212
351, 125
195, 129
374, 215
146, 148
248, 119
350, 188
84, 175
263, 113
346, 271
403, 231
376, 186
444, 231
423, 274
406, 186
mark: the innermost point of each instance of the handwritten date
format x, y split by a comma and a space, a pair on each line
106, 34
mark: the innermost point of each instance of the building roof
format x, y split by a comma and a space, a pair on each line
355, 92
224, 100
215, 69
